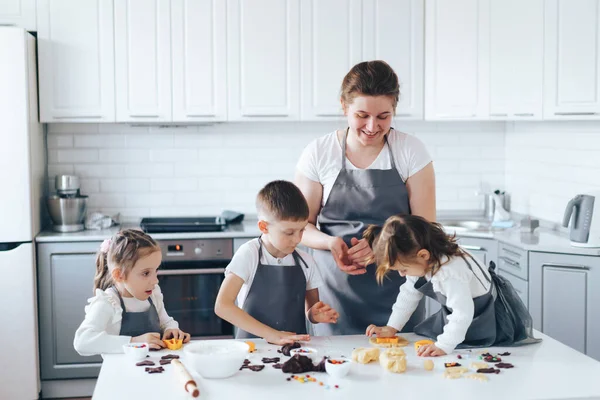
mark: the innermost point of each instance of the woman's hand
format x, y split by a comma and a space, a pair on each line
360, 254
430, 350
282, 337
176, 334
381, 331
152, 338
339, 251
322, 313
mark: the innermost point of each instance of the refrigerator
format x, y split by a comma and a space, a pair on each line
22, 182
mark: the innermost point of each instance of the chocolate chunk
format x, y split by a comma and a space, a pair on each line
452, 364
506, 353
145, 363
270, 360
505, 365
285, 349
488, 371
244, 366
246, 362
256, 368
166, 361
297, 364
486, 355
320, 367
459, 357
169, 357
492, 359
277, 366
156, 370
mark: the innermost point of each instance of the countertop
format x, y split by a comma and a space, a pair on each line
548, 370
544, 240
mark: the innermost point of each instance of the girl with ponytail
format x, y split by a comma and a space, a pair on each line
479, 308
128, 305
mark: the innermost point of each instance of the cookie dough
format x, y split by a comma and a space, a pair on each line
477, 377
479, 365
393, 360
396, 341
365, 355
428, 365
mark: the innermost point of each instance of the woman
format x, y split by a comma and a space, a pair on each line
359, 176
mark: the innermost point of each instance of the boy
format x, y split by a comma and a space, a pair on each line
276, 285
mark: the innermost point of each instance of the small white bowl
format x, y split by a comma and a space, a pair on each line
338, 370
136, 351
216, 358
309, 352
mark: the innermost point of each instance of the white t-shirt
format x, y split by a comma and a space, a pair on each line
460, 285
245, 263
321, 160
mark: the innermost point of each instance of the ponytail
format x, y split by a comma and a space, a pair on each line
103, 278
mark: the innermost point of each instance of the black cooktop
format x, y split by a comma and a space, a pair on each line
182, 224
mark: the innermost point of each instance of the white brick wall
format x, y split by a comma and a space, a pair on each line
547, 163
199, 170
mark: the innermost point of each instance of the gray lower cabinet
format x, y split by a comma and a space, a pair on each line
65, 282
564, 299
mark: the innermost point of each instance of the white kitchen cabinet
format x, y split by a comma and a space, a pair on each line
564, 299
18, 13
516, 59
393, 31
199, 40
331, 45
572, 71
143, 60
457, 59
76, 60
263, 57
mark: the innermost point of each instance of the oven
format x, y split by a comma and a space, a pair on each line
190, 276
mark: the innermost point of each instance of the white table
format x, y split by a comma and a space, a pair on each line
549, 370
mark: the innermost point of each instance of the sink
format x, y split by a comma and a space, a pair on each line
465, 225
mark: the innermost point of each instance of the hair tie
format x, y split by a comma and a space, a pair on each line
105, 246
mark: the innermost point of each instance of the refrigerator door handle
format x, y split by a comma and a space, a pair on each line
8, 246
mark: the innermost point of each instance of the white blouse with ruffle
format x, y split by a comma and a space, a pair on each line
99, 331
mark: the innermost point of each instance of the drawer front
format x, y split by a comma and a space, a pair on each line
521, 287
513, 260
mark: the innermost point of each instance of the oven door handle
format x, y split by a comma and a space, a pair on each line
197, 271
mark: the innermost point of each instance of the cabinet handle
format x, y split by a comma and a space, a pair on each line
511, 262
403, 115
498, 115
197, 271
476, 248
514, 253
77, 117
450, 116
524, 114
575, 113
566, 266
143, 115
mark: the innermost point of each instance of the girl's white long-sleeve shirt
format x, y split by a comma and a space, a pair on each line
99, 331
459, 284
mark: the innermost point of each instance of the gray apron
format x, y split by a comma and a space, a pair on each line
360, 197
139, 323
277, 296
481, 332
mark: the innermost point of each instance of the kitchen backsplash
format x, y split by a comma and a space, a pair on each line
142, 171
547, 163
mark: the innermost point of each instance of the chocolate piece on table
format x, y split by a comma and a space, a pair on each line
256, 368
506, 353
156, 370
267, 360
277, 366
451, 364
285, 349
169, 357
505, 365
492, 359
165, 361
145, 363
297, 364
320, 367
488, 371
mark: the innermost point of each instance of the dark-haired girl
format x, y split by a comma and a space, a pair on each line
479, 308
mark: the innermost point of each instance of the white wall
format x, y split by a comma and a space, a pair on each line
547, 163
199, 170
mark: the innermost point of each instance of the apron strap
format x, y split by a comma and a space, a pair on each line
299, 260
120, 298
481, 269
344, 148
392, 161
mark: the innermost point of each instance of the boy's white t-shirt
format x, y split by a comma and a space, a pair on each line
245, 262
321, 160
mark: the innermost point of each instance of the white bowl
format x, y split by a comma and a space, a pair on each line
338, 370
216, 358
136, 351
309, 352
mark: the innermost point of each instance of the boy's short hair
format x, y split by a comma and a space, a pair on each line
283, 201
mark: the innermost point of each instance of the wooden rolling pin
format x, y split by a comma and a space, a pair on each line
189, 384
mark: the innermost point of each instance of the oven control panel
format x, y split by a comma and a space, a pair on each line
196, 249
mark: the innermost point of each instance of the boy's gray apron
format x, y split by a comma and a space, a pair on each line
360, 197
277, 296
138, 323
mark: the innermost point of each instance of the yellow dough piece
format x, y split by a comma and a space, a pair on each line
396, 341
457, 370
428, 365
251, 346
393, 360
365, 355
478, 365
422, 343
477, 377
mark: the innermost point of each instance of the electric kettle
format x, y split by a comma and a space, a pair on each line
583, 216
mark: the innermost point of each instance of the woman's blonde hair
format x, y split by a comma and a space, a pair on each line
401, 238
121, 252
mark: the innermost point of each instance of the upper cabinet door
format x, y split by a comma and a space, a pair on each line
393, 32
457, 59
18, 13
516, 59
263, 59
572, 81
331, 45
143, 60
199, 40
76, 60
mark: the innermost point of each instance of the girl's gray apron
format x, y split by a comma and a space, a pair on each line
360, 197
496, 321
277, 296
139, 323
